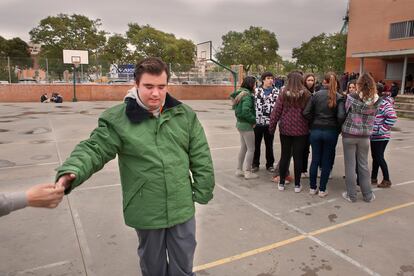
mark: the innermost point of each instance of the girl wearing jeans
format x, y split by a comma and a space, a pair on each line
326, 112
243, 105
384, 120
293, 126
361, 108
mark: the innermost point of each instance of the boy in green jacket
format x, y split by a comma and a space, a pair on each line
159, 141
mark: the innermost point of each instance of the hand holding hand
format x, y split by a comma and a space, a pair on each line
44, 195
65, 180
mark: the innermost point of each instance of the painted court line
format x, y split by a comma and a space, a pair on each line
29, 165
33, 270
310, 235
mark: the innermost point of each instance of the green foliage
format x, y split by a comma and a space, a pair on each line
70, 32
18, 52
150, 42
116, 50
322, 53
252, 47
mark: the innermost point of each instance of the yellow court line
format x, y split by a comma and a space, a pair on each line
298, 238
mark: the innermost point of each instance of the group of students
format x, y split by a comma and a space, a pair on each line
363, 114
56, 98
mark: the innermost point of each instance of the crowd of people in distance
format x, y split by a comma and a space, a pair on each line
312, 116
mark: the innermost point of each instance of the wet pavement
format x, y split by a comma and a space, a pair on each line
249, 228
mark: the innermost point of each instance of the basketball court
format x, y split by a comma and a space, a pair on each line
249, 228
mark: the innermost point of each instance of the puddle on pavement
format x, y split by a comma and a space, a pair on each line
38, 130
4, 130
4, 142
6, 163
40, 157
40, 141
63, 106
332, 218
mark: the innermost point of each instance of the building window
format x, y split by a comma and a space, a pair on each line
394, 71
402, 29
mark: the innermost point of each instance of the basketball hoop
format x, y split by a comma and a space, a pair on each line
76, 60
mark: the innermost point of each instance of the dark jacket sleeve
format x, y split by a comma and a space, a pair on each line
308, 112
275, 115
201, 164
91, 155
341, 113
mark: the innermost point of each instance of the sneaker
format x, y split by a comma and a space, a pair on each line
346, 197
239, 173
358, 188
250, 175
384, 184
270, 169
298, 189
304, 175
289, 179
281, 187
372, 198
313, 191
255, 169
323, 193
374, 181
330, 175
276, 179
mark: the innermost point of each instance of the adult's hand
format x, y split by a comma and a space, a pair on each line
45, 195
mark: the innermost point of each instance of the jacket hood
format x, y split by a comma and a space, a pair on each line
239, 94
136, 113
356, 101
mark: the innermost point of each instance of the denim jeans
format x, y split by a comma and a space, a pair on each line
323, 142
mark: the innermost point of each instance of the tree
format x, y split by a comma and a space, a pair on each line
252, 47
150, 42
322, 53
18, 52
75, 32
116, 50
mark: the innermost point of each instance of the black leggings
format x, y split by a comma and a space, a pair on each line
292, 145
378, 160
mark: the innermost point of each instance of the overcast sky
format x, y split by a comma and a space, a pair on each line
293, 21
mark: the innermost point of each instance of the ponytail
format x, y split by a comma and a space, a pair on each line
332, 89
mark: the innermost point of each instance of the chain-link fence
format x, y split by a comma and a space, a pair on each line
52, 70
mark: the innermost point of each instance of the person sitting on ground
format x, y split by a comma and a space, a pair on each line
44, 98
41, 195
56, 98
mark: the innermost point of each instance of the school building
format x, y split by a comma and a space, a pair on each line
381, 40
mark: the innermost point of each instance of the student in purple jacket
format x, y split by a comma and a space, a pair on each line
293, 126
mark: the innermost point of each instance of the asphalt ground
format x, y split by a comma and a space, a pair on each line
249, 228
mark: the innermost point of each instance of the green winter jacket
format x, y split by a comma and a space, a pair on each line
155, 157
243, 105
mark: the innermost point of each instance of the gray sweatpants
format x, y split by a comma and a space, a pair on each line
356, 151
246, 150
178, 242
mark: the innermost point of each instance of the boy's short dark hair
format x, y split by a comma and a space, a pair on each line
265, 75
151, 65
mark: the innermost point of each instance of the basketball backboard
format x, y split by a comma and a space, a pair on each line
204, 51
75, 57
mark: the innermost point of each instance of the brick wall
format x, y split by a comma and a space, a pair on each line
96, 92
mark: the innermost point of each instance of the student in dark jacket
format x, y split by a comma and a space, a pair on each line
293, 126
309, 81
326, 112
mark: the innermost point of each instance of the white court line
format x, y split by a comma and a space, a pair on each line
77, 224
313, 205
33, 270
299, 230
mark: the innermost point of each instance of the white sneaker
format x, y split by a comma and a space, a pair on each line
250, 175
239, 173
281, 187
372, 198
323, 193
304, 175
346, 197
313, 191
298, 189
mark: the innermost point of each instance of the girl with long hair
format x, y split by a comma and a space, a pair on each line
361, 108
309, 82
293, 126
326, 112
243, 105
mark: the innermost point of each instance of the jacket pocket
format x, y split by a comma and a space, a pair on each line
135, 190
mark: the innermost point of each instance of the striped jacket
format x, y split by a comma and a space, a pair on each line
384, 120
